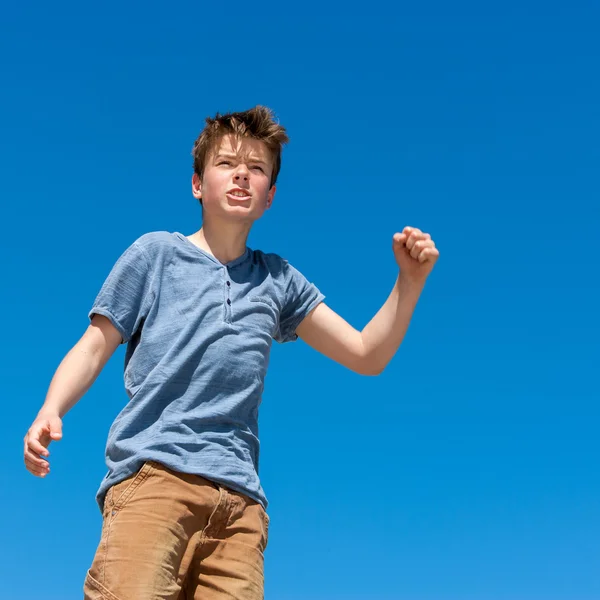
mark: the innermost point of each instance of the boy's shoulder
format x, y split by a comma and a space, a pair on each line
274, 262
278, 266
154, 245
153, 239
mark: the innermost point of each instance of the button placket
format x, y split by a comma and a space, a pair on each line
227, 295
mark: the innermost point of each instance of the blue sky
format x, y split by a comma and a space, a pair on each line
469, 468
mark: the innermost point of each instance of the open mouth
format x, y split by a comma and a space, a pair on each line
238, 196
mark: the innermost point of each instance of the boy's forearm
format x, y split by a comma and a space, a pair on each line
73, 378
383, 335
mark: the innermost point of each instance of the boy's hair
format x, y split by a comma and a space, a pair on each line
257, 123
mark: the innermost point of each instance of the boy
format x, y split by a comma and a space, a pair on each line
184, 512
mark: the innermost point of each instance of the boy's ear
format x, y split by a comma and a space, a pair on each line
196, 186
271, 196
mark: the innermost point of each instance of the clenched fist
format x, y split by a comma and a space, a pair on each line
415, 254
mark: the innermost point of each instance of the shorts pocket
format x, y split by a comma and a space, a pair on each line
94, 590
266, 522
121, 493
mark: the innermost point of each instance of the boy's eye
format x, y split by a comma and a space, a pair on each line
257, 167
224, 162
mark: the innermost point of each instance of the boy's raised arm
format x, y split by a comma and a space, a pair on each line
74, 376
369, 351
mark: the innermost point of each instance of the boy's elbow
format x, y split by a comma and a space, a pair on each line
369, 369
373, 372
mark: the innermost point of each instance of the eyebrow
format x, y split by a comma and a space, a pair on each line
254, 160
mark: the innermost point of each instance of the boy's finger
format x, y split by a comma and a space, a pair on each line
35, 446
415, 236
35, 470
428, 254
36, 460
43, 431
420, 246
417, 249
54, 429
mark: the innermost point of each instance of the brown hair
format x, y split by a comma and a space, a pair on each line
257, 123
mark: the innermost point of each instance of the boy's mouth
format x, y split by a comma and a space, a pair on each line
238, 194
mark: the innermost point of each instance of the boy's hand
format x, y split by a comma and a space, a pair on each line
45, 429
415, 254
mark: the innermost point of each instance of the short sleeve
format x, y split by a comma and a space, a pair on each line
125, 295
300, 298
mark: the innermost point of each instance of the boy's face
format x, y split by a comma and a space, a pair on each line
237, 164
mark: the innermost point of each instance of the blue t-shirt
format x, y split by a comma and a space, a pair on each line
198, 336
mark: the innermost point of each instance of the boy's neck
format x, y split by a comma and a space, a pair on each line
225, 241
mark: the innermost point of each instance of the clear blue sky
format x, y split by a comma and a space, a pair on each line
469, 468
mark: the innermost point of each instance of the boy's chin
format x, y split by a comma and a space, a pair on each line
236, 213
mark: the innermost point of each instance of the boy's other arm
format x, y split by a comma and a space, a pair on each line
73, 378
369, 351
81, 366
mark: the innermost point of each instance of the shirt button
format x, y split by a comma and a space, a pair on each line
228, 283
228, 301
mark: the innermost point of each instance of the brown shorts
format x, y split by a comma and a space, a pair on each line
173, 536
